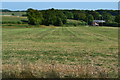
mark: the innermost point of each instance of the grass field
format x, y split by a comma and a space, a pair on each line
60, 52
15, 13
11, 19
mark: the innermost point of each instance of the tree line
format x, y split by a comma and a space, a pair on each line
59, 17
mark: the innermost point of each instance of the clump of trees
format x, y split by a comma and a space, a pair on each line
34, 17
46, 17
54, 17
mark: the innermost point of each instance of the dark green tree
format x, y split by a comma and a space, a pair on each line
61, 15
51, 17
95, 14
58, 22
89, 19
69, 15
13, 14
117, 19
34, 17
79, 16
107, 17
82, 16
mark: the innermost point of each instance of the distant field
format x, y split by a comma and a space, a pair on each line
15, 13
13, 19
70, 51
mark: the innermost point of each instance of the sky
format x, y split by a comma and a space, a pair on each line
59, 5
60, 0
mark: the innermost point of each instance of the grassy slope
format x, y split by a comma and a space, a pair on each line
62, 46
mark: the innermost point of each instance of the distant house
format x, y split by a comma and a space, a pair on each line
97, 22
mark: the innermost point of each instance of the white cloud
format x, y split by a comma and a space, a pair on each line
60, 0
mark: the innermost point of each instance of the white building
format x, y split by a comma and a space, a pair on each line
96, 22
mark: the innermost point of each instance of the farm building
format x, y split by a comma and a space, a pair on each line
97, 22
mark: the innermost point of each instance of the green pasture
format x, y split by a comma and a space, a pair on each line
13, 13
12, 18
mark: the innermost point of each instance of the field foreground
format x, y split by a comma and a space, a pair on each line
60, 52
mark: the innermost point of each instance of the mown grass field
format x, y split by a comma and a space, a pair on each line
68, 51
15, 13
13, 18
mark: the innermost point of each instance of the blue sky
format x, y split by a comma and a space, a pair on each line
60, 0
59, 5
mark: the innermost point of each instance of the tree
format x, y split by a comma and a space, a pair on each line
58, 22
79, 16
89, 19
117, 19
34, 17
76, 16
69, 15
107, 17
95, 14
5, 10
61, 15
13, 14
51, 17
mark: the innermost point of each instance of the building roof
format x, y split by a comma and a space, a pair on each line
99, 21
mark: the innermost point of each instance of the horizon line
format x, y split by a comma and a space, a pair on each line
56, 9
